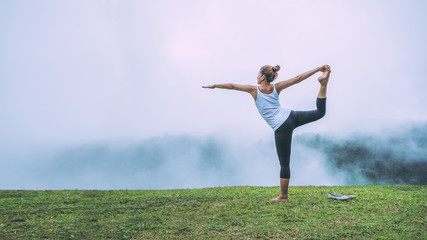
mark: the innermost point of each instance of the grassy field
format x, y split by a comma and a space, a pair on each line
388, 212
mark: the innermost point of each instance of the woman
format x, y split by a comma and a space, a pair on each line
282, 121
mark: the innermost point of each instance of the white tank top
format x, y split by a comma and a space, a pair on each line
269, 107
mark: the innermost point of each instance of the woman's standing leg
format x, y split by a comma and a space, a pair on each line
283, 140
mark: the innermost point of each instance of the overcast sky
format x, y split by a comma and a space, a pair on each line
78, 71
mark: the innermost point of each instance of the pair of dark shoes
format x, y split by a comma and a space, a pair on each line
340, 197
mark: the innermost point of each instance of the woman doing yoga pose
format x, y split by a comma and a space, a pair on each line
281, 120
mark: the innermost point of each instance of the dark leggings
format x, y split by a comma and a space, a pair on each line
283, 135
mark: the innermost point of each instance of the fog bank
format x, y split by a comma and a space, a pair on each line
184, 161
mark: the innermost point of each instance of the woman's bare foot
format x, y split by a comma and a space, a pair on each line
326, 69
280, 198
324, 78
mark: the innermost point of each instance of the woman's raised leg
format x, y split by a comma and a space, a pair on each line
324, 83
304, 117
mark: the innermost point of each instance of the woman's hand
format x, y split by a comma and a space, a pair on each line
325, 68
209, 86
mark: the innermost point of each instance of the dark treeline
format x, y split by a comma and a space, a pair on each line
396, 157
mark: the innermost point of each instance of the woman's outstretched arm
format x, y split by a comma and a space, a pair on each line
287, 83
233, 86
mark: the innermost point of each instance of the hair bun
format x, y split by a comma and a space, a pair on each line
276, 68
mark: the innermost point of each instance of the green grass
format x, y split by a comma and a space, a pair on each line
388, 212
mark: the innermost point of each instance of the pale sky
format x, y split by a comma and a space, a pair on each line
78, 71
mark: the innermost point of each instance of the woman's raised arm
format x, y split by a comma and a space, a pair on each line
287, 83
